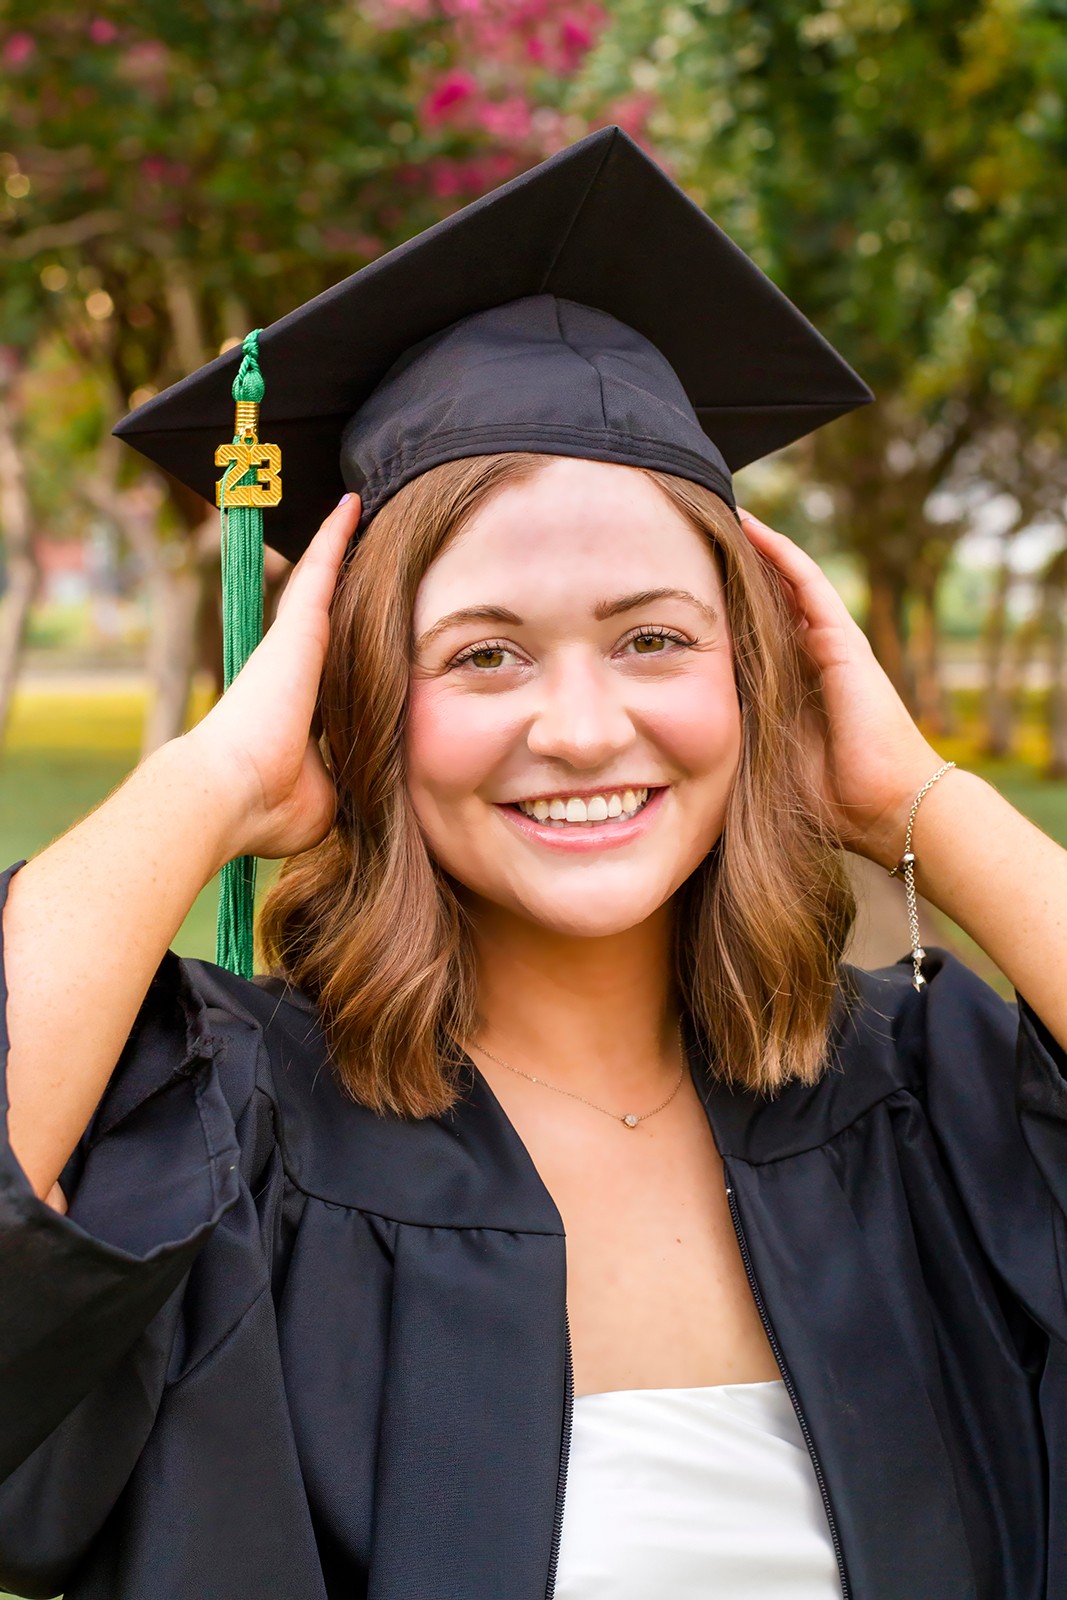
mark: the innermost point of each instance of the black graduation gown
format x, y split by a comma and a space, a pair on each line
283, 1348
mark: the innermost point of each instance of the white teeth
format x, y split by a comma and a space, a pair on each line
574, 809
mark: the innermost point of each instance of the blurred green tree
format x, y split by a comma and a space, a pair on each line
896, 166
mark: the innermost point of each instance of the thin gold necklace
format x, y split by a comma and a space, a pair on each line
629, 1120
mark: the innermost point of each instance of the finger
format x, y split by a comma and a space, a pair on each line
817, 601
314, 577
794, 562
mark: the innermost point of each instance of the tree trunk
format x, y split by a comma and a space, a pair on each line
174, 598
1000, 678
1056, 604
172, 583
16, 525
209, 641
885, 629
932, 702
184, 312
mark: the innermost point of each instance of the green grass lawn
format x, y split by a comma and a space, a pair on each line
42, 792
1040, 799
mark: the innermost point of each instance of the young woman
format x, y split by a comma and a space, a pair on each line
560, 1217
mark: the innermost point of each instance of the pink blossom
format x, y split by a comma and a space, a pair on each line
102, 32
461, 179
18, 50
501, 52
390, 13
631, 113
146, 61
506, 119
577, 40
449, 95
444, 180
346, 243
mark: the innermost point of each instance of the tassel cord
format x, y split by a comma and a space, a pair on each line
242, 607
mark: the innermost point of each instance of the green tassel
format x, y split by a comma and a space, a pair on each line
242, 615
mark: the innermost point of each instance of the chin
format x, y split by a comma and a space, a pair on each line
590, 914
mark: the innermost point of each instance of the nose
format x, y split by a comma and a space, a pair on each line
581, 719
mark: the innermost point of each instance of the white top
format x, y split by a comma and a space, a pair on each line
693, 1494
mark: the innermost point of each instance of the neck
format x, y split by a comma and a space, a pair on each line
582, 1013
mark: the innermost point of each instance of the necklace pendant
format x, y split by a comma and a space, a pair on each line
631, 1121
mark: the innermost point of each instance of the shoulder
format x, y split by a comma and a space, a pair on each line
464, 1169
887, 1039
955, 1030
201, 1025
890, 1031
196, 1012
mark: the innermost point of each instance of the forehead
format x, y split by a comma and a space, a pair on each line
576, 533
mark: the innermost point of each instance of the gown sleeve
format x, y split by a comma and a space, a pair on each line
1003, 1135
996, 1086
90, 1302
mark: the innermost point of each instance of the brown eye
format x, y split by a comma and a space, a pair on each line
487, 659
647, 644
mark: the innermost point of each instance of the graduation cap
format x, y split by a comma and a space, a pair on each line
598, 225
587, 308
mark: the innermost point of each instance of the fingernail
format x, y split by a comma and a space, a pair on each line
345, 498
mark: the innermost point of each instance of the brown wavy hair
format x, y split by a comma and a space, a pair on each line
370, 927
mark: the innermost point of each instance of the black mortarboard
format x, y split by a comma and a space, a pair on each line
586, 308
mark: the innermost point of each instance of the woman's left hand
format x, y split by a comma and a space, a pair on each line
982, 863
872, 758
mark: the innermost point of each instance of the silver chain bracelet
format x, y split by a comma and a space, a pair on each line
905, 868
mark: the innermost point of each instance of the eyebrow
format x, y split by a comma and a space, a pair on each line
467, 614
644, 597
602, 611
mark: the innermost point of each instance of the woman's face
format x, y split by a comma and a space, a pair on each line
574, 727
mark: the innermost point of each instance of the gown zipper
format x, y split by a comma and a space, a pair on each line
564, 1459
776, 1351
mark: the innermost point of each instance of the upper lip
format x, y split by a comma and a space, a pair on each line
580, 793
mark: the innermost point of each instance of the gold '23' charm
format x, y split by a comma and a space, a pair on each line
242, 458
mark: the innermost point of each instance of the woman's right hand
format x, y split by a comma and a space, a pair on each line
254, 751
89, 919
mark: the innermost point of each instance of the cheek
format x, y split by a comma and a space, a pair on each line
454, 741
697, 721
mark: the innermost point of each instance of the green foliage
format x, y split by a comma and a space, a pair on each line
64, 418
896, 167
176, 172
222, 151
209, 164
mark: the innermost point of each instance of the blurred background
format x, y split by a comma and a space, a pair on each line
177, 172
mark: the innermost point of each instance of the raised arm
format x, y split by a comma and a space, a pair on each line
88, 921
977, 859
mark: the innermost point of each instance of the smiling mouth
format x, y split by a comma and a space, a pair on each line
575, 811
